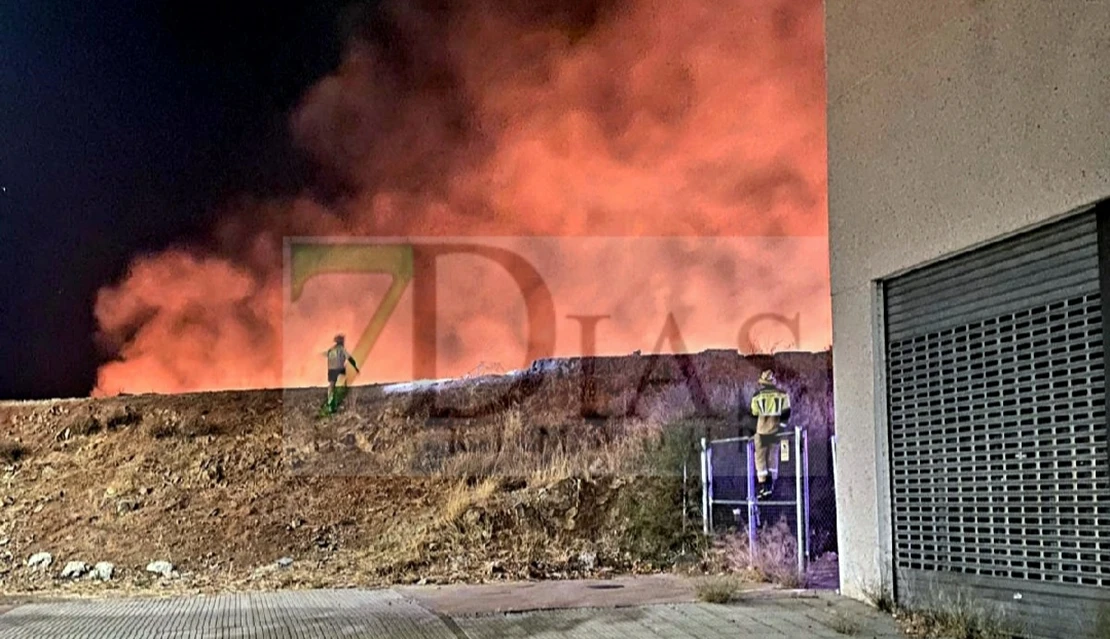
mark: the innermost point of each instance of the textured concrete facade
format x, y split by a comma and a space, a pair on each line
951, 123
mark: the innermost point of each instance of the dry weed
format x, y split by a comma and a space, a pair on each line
120, 416
775, 558
12, 452
180, 426
881, 598
844, 625
558, 468
81, 423
377, 499
717, 589
671, 404
514, 445
462, 497
725, 398
956, 616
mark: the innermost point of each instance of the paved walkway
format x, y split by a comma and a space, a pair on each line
462, 599
397, 614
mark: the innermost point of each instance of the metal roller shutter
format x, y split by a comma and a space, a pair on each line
998, 430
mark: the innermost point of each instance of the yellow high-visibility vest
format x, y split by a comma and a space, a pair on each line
770, 402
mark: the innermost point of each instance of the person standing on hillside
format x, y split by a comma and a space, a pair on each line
771, 408
337, 367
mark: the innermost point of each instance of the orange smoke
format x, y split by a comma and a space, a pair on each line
619, 118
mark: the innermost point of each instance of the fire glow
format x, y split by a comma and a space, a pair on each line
629, 119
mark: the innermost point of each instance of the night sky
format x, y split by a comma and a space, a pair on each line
124, 125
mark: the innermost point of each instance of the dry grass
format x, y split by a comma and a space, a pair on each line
183, 429
462, 497
775, 559
960, 623
119, 417
562, 423
12, 452
844, 625
509, 444
459, 483
508, 450
955, 616
717, 589
881, 598
80, 424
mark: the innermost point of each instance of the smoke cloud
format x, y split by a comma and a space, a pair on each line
617, 118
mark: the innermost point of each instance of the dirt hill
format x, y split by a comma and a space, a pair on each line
566, 469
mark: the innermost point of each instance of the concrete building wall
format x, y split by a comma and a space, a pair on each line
950, 123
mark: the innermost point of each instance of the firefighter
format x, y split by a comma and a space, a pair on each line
771, 408
337, 366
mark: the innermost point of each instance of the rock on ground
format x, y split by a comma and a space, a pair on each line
74, 569
103, 571
163, 568
40, 560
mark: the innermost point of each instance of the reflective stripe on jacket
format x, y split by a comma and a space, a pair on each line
772, 407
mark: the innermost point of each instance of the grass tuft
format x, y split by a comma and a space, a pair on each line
775, 557
882, 599
462, 497
844, 625
718, 590
956, 617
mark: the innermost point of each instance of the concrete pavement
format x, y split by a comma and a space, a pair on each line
550, 595
278, 615
469, 613
755, 619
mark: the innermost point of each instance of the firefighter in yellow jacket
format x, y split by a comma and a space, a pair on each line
771, 408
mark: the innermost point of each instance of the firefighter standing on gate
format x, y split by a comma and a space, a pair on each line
337, 367
771, 408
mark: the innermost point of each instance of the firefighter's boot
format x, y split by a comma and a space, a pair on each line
764, 488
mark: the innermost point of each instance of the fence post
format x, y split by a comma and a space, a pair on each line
709, 476
685, 504
805, 454
799, 514
704, 490
749, 447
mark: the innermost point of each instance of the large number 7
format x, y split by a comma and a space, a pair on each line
307, 260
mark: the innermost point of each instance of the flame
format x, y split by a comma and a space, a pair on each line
673, 118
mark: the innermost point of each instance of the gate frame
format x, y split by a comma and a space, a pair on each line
801, 491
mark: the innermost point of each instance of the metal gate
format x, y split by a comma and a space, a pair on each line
798, 439
998, 430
